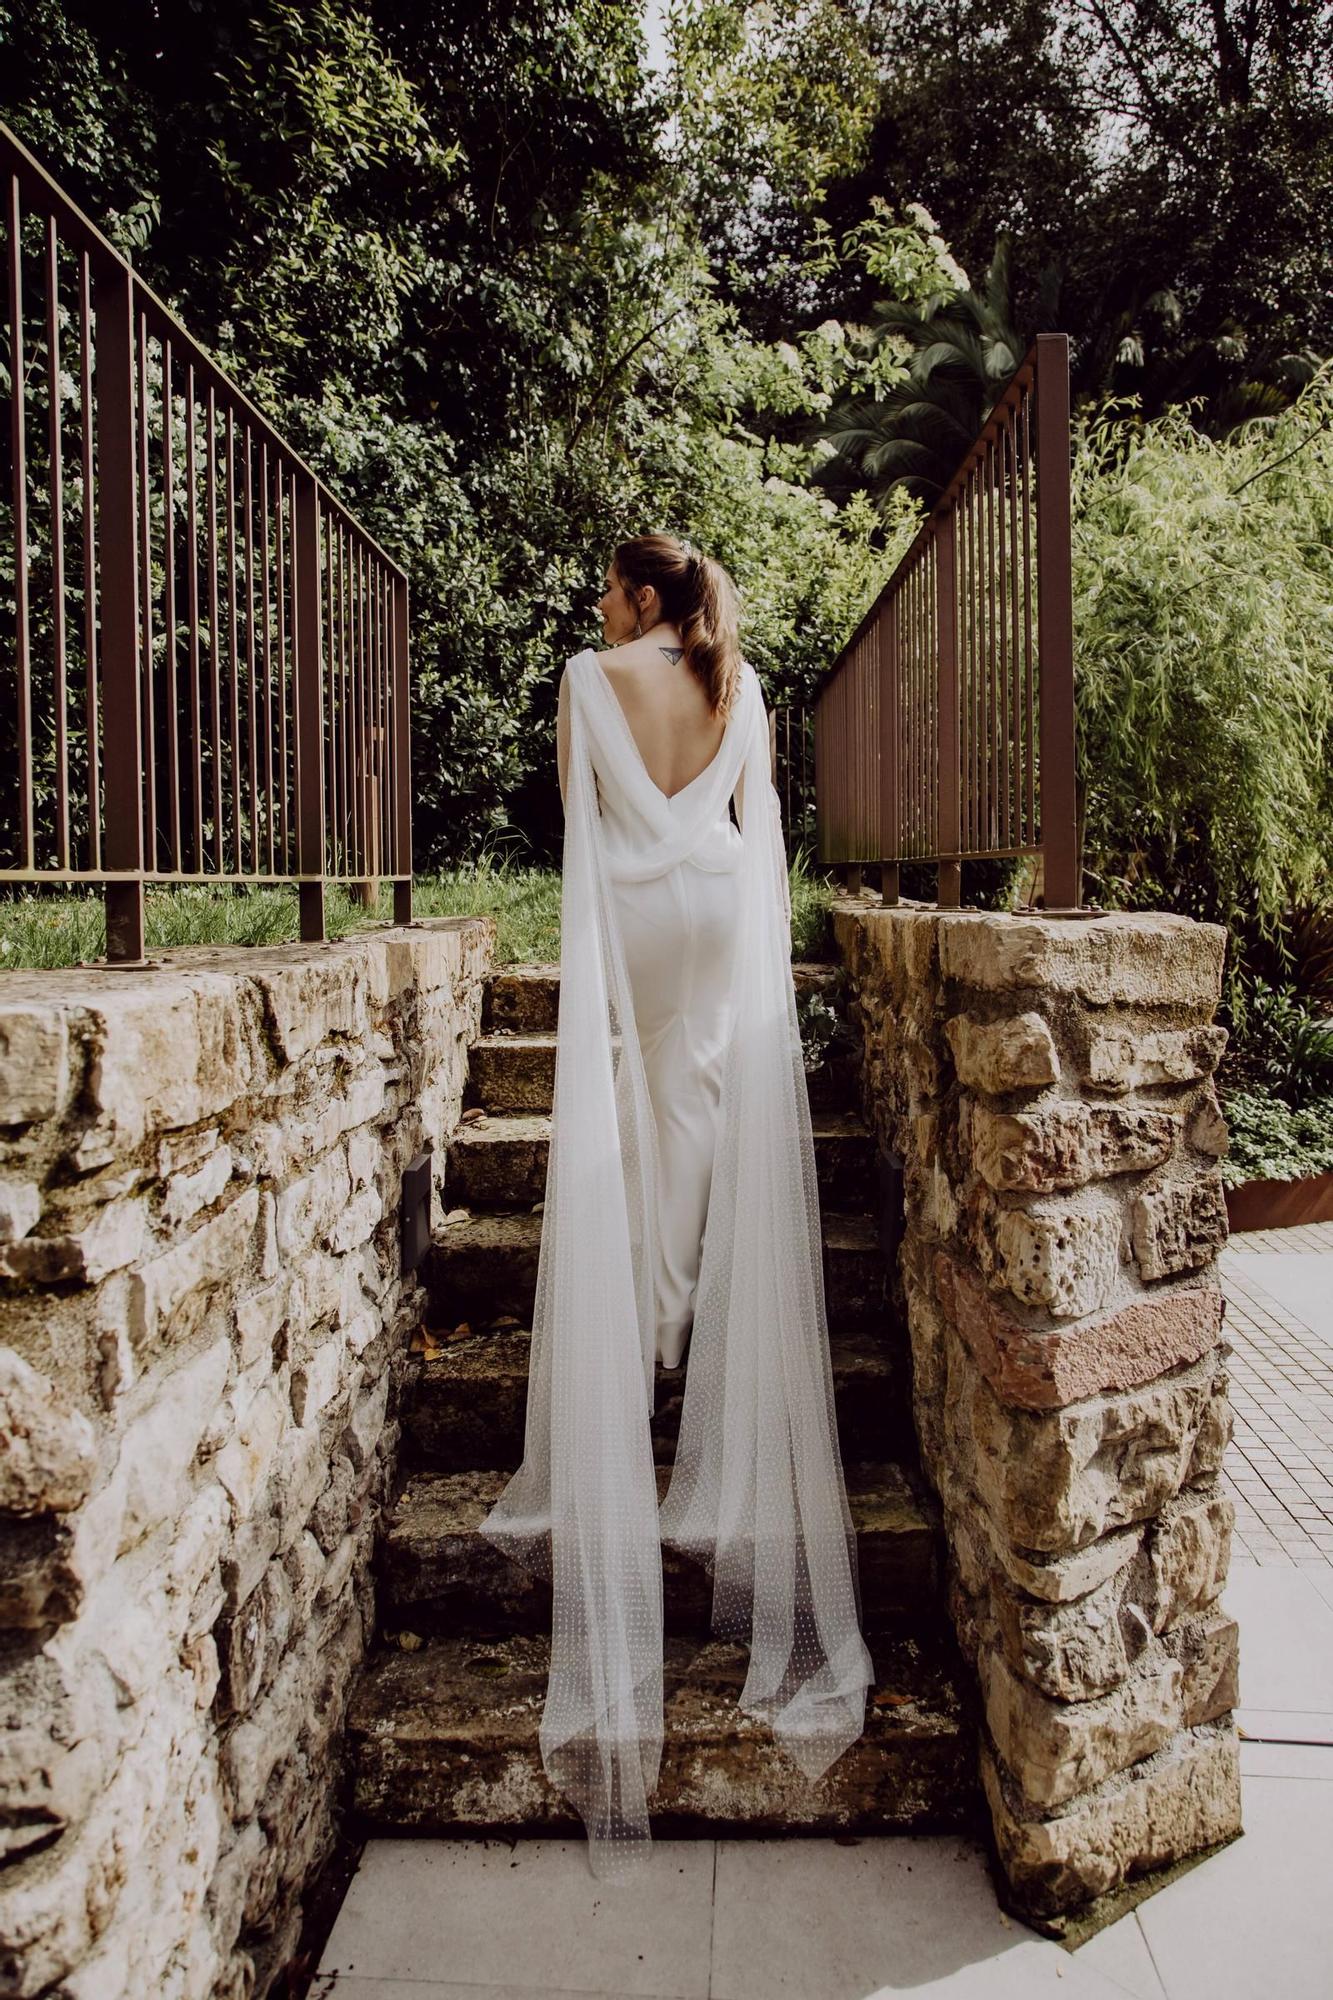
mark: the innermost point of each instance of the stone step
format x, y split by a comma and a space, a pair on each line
527, 997
500, 1162
485, 1263
465, 1410
514, 1070
443, 1740
436, 1574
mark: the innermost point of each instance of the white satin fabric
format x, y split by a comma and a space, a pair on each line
652, 948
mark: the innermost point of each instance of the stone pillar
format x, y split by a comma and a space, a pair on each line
205, 1324
1047, 1084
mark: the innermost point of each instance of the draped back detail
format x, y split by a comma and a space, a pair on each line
757, 1492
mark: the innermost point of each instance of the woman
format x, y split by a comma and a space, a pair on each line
681, 1208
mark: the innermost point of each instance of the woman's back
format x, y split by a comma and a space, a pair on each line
666, 707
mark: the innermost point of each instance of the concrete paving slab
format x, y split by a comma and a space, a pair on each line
818, 1920
527, 1915
1255, 1919
1286, 1651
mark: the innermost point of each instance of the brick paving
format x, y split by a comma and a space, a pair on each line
1279, 1468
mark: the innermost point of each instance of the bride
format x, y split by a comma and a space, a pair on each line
681, 1222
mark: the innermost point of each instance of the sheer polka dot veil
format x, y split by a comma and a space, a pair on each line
757, 1491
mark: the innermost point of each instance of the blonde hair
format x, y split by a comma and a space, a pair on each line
696, 594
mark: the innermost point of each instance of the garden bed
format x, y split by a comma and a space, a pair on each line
1280, 1204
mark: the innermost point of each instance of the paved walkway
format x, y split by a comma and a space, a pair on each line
824, 1920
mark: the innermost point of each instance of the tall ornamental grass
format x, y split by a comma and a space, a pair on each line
1203, 620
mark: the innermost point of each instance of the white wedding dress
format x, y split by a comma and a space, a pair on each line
680, 1194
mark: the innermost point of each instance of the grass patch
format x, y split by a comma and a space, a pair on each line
43, 931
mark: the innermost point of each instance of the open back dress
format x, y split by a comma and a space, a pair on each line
681, 1202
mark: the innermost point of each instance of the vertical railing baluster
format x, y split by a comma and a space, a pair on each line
1055, 624
252, 705
148, 753
402, 759
117, 543
192, 614
55, 456
214, 661
172, 693
266, 567
18, 451
92, 703
308, 651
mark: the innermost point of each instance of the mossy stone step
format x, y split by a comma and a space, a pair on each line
436, 1574
443, 1740
485, 1263
514, 1070
527, 997
465, 1410
500, 1161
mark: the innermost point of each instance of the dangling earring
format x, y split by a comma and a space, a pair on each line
638, 629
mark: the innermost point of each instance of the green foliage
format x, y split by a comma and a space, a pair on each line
1203, 614
1268, 1140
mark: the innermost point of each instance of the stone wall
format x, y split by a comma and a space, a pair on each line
204, 1327
1047, 1086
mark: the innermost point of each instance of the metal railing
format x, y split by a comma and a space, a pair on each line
945, 728
205, 671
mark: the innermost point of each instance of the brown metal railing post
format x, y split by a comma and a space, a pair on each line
118, 563
402, 759
948, 831
308, 656
888, 750
1056, 602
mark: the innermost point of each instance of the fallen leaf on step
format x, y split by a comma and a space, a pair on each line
472, 1116
890, 1700
504, 1319
537, 1207
459, 1215
410, 1642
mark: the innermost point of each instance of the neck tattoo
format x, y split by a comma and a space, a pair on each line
673, 653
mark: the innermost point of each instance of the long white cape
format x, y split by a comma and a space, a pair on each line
757, 1492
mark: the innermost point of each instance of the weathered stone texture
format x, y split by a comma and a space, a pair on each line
199, 1170
1068, 1378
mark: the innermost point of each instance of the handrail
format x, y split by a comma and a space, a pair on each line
243, 713
944, 730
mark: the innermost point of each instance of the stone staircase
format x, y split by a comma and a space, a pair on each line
443, 1726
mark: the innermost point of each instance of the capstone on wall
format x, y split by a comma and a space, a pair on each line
204, 1326
1047, 1086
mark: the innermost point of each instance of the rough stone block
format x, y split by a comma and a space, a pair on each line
1044, 1368
1065, 1145
1187, 1551
1129, 958
106, 1241
160, 1446
309, 1207
1063, 1256
1183, 1797
20, 1208
34, 1062
1180, 1226
1208, 1649
169, 1297
1057, 1749
1005, 1055
1055, 1480
1133, 1056
48, 1451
